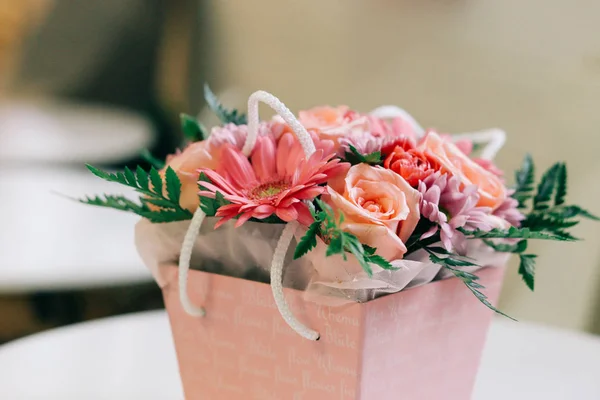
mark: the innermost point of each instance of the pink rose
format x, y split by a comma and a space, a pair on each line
452, 160
378, 206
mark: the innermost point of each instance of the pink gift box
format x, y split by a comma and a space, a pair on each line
420, 343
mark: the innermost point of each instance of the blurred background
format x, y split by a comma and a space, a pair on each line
100, 81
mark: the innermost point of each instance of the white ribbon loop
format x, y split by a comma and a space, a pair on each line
495, 138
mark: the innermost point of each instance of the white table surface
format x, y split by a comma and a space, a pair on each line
50, 242
132, 357
56, 131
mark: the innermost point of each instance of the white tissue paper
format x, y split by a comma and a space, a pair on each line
246, 252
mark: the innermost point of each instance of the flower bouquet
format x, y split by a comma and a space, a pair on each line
354, 207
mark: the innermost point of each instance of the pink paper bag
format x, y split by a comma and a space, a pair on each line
421, 343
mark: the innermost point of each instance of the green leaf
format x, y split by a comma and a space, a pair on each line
518, 247
546, 188
438, 250
173, 185
380, 261
158, 202
111, 201
525, 178
527, 269
335, 246
193, 130
355, 157
225, 115
123, 204
164, 216
220, 200
452, 260
355, 247
571, 212
565, 235
150, 159
210, 205
130, 177
207, 204
561, 185
156, 181
170, 209
341, 242
469, 279
325, 207
308, 241
142, 178
312, 209
514, 233
538, 221
369, 250
100, 174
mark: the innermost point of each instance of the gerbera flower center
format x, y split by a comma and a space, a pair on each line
268, 189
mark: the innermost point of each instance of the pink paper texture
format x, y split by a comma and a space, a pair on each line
421, 343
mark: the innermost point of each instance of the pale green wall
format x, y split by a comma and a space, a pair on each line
531, 67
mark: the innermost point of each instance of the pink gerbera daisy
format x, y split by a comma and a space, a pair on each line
275, 180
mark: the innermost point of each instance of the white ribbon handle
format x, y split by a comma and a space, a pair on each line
388, 112
495, 138
286, 236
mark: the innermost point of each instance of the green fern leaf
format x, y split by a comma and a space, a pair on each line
308, 241
156, 181
469, 279
158, 202
380, 261
142, 178
525, 178
111, 201
561, 185
173, 185
515, 233
130, 178
225, 115
192, 129
527, 269
170, 207
355, 157
564, 212
546, 188
165, 216
150, 159
518, 247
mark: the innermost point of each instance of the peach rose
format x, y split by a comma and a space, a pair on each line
333, 122
452, 160
206, 154
186, 164
378, 206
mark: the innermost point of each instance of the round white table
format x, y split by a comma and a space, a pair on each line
55, 131
50, 242
132, 357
